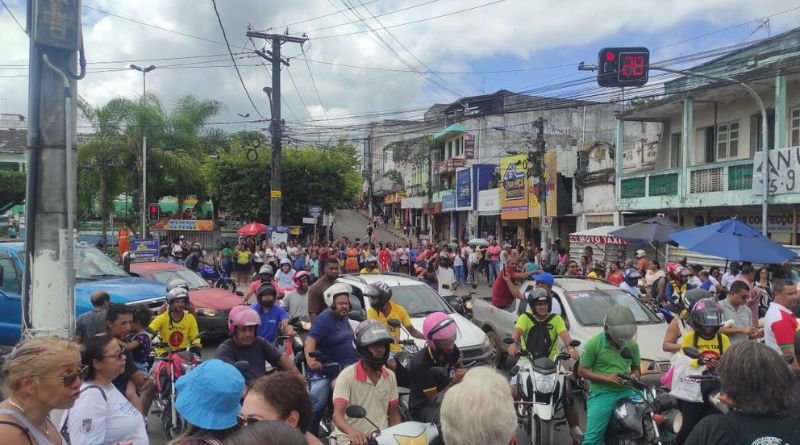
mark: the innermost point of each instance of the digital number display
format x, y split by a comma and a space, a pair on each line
623, 67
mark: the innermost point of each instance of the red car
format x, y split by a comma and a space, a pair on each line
212, 305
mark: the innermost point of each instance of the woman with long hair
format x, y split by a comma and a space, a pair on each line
764, 283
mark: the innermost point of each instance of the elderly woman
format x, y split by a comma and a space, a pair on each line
102, 414
757, 384
41, 375
479, 410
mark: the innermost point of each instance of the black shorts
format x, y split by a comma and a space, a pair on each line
242, 267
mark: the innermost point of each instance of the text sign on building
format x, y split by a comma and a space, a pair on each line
784, 171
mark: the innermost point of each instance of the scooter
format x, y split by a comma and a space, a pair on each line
215, 277
540, 389
403, 433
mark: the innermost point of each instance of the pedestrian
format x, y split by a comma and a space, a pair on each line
642, 263
615, 274
123, 240
729, 276
267, 432
780, 323
584, 268
93, 322
132, 382
493, 251
139, 340
316, 302
747, 275
738, 313
563, 261
764, 284
552, 259
242, 255
458, 267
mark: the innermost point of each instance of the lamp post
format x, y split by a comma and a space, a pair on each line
144, 72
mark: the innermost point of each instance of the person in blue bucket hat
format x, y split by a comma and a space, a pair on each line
208, 401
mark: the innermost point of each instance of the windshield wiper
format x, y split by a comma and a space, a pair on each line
104, 275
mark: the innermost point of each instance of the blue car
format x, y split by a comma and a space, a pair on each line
94, 271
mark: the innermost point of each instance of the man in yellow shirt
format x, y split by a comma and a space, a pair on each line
176, 327
370, 266
383, 310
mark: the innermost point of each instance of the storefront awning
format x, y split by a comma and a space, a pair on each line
598, 235
451, 130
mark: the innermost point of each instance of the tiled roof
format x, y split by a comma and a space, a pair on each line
13, 141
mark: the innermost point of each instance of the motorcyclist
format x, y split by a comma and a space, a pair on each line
273, 317
370, 266
539, 303
176, 326
677, 283
245, 345
681, 324
435, 368
602, 363
296, 301
332, 336
195, 258
545, 280
706, 319
265, 276
366, 383
284, 277
630, 281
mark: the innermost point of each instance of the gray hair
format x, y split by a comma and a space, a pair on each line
757, 380
479, 410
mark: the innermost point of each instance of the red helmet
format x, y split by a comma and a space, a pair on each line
242, 316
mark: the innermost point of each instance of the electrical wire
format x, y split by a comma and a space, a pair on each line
22, 28
314, 83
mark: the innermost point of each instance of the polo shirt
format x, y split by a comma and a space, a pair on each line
334, 338
397, 311
426, 381
353, 386
742, 318
779, 327
257, 354
555, 326
601, 356
270, 321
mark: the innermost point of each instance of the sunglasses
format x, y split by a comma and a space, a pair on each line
119, 355
69, 379
244, 421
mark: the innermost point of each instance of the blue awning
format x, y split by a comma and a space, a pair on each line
449, 131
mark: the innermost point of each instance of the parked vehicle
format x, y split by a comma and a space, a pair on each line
585, 304
406, 432
212, 305
419, 300
94, 271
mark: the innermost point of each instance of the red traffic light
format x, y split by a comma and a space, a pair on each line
153, 212
623, 67
610, 56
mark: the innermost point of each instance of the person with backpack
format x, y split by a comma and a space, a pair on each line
537, 331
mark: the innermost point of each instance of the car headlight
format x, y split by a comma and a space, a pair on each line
206, 312
544, 383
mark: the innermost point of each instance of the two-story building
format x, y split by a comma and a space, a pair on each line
13, 140
706, 163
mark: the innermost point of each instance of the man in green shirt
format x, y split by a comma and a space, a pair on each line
602, 364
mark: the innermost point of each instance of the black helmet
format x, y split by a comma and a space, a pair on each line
379, 290
177, 282
707, 318
537, 295
372, 262
372, 332
692, 296
266, 289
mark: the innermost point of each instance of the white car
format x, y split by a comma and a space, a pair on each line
585, 303
420, 300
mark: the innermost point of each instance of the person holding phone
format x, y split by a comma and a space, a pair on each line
445, 275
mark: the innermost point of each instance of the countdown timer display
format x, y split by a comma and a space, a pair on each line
623, 67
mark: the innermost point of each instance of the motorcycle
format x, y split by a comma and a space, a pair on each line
326, 424
176, 363
462, 305
214, 276
406, 432
541, 388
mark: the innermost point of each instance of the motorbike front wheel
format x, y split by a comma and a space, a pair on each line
541, 432
169, 430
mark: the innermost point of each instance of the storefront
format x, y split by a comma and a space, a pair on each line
464, 203
488, 213
412, 210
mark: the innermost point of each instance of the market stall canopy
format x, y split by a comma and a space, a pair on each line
733, 240
598, 235
252, 229
652, 230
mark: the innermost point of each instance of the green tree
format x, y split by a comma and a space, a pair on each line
12, 187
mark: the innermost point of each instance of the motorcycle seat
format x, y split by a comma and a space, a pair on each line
544, 365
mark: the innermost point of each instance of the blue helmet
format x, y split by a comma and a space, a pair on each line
544, 277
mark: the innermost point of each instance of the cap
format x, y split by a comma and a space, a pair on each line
640, 253
208, 397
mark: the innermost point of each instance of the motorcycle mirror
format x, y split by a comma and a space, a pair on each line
626, 353
356, 412
395, 323
356, 316
508, 341
575, 343
788, 358
466, 298
316, 354
242, 365
691, 352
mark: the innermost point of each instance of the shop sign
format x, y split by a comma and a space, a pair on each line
464, 189
449, 202
489, 201
550, 188
192, 225
469, 146
513, 190
144, 249
779, 223
784, 171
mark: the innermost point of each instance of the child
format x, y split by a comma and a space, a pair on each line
139, 340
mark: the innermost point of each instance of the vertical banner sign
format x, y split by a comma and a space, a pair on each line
784, 171
464, 189
550, 185
469, 146
513, 190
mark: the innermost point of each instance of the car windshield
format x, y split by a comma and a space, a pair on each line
165, 276
591, 306
419, 301
92, 264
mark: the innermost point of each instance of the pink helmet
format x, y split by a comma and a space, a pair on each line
242, 316
439, 326
301, 274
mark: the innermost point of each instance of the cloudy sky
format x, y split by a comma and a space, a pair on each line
418, 51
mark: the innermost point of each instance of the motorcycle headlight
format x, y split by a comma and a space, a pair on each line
675, 421
469, 305
544, 383
205, 312
306, 325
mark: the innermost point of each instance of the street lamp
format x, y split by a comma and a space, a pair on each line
144, 72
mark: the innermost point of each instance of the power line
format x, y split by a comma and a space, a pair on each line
269, 75
314, 83
300, 96
417, 5
400, 70
307, 20
22, 28
238, 74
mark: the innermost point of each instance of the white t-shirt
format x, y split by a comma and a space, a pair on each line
281, 253
93, 420
728, 279
446, 277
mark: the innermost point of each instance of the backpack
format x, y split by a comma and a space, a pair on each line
538, 339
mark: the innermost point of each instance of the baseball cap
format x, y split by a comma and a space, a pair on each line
640, 253
544, 277
208, 397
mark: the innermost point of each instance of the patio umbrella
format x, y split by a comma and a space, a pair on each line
733, 240
478, 242
652, 230
252, 229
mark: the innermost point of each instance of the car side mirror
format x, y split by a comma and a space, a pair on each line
395, 323
355, 412
691, 352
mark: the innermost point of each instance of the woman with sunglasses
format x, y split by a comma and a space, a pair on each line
102, 414
40, 375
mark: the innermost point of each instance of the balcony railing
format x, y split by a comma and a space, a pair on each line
642, 185
721, 177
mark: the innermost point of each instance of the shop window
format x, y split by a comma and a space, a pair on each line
794, 127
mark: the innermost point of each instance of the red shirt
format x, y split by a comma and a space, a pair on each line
494, 253
501, 294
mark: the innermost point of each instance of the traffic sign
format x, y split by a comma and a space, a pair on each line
547, 222
314, 211
309, 220
275, 194
623, 67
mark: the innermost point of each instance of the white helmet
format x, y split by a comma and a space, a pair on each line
336, 289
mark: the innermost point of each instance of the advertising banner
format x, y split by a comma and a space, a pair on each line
196, 225
144, 249
784, 171
513, 189
464, 189
449, 202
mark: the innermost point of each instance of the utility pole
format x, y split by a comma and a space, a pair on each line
48, 292
537, 168
276, 123
370, 190
143, 209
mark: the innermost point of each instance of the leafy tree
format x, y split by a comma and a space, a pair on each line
12, 187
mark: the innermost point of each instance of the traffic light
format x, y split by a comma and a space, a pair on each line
153, 212
623, 67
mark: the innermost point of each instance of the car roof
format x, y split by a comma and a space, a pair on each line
14, 245
571, 284
393, 280
151, 266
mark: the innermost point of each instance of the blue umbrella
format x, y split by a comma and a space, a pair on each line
735, 241
652, 230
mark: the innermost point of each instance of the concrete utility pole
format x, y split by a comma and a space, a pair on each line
48, 292
276, 123
536, 162
144, 72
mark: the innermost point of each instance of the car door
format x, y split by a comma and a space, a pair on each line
10, 306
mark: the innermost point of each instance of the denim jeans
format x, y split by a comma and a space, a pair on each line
321, 390
460, 279
494, 271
